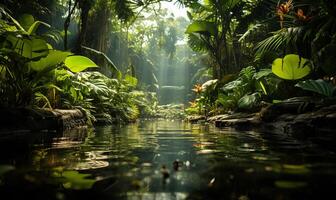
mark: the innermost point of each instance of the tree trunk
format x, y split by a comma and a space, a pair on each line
67, 23
85, 8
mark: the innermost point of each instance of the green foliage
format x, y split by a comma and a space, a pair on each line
248, 102
130, 80
29, 63
202, 27
53, 59
291, 67
79, 63
262, 73
318, 86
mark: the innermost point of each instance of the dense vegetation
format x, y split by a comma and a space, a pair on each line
284, 49
116, 60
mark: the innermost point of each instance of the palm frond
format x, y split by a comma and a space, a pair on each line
196, 43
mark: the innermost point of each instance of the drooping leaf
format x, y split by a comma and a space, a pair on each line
32, 29
41, 98
53, 58
196, 43
319, 86
79, 63
202, 27
102, 56
291, 67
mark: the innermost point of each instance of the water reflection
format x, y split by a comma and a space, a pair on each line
177, 160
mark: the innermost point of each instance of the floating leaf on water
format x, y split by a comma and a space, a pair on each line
77, 181
290, 184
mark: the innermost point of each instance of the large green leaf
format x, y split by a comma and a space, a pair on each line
291, 67
79, 63
319, 86
202, 27
249, 101
54, 58
31, 48
262, 73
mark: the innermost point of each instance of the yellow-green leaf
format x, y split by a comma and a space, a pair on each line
202, 27
53, 58
291, 67
79, 63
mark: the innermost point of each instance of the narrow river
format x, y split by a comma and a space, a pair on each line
170, 160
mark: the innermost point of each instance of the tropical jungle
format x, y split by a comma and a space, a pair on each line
167, 99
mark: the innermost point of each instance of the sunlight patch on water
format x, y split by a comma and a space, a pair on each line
156, 195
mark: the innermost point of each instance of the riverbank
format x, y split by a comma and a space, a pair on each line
20, 120
314, 120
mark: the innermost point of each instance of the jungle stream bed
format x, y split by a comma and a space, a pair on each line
155, 159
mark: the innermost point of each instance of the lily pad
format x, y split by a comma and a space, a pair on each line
77, 181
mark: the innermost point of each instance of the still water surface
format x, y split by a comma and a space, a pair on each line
176, 160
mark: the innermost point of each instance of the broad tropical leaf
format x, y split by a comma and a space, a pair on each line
53, 58
262, 73
291, 67
33, 48
319, 86
202, 27
79, 63
249, 101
